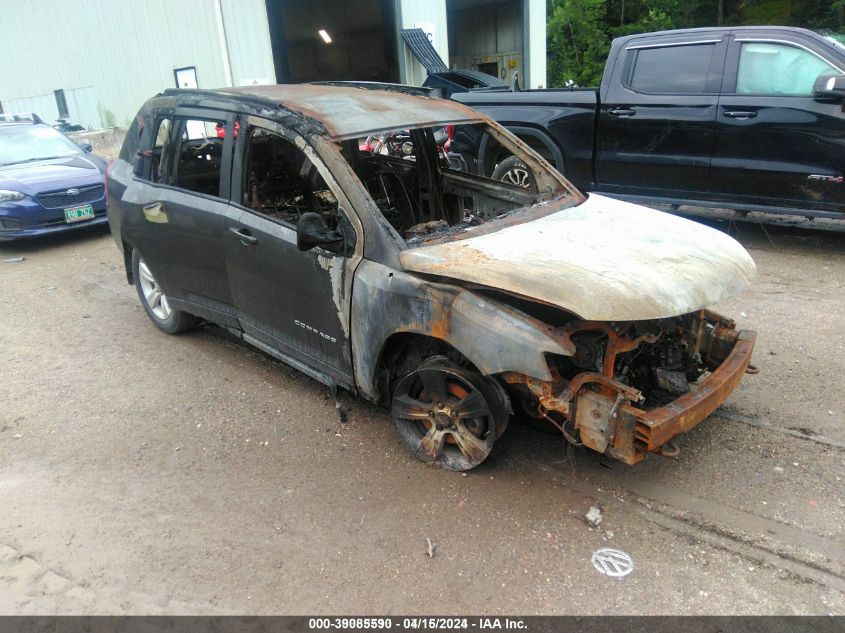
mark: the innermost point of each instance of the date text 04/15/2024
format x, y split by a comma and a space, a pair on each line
417, 623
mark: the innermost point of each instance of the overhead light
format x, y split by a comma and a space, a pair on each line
325, 36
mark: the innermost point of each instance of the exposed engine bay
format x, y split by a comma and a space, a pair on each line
620, 375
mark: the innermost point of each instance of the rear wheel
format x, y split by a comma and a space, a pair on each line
514, 172
447, 415
162, 314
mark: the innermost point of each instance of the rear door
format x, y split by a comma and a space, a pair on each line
177, 207
775, 143
656, 119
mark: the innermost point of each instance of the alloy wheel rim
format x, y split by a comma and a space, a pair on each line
517, 176
444, 418
155, 298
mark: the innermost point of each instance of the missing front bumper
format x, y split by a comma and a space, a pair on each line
639, 432
604, 415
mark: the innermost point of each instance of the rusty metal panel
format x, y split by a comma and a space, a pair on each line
607, 419
660, 425
604, 260
387, 302
350, 112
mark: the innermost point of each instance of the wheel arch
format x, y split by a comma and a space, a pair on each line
128, 249
536, 139
391, 307
400, 352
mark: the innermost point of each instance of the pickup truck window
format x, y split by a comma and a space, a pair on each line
778, 69
672, 69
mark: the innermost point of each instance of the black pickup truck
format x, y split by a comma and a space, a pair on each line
749, 117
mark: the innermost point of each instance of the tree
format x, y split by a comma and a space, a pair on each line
644, 17
579, 31
577, 42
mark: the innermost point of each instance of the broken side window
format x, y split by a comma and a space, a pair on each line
151, 163
281, 183
198, 157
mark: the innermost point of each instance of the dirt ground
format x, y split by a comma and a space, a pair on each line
146, 473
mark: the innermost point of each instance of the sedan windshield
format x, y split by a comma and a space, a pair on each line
28, 143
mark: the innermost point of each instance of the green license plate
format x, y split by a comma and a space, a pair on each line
78, 214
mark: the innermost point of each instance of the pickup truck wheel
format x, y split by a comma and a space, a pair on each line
162, 314
513, 171
444, 416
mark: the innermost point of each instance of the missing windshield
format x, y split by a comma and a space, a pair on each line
438, 182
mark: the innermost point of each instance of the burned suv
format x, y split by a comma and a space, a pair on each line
343, 230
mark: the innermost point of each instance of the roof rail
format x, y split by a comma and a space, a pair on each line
378, 85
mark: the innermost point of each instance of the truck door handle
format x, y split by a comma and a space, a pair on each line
621, 112
244, 236
740, 114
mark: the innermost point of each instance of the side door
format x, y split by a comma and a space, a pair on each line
177, 210
775, 143
657, 113
296, 302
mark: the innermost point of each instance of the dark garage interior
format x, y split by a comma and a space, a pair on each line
362, 42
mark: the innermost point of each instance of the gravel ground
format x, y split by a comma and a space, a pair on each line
146, 473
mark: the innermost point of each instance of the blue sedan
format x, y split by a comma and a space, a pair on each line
48, 183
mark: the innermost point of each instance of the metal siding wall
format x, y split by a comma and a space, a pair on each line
535, 37
42, 105
248, 35
126, 50
409, 13
492, 33
82, 107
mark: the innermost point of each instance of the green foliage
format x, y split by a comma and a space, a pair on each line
577, 41
579, 32
642, 17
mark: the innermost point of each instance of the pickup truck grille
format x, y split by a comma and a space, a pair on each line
59, 199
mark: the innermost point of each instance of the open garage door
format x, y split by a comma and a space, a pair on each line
487, 36
320, 40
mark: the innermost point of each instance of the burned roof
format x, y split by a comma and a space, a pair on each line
352, 111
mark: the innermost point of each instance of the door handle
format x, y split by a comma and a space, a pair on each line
155, 212
244, 236
621, 112
155, 207
740, 114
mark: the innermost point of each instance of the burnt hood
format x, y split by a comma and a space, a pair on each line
604, 260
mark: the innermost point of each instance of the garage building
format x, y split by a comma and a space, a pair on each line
94, 62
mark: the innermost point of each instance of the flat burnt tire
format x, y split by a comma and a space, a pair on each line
446, 415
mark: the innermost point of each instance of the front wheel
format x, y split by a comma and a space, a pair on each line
158, 308
447, 415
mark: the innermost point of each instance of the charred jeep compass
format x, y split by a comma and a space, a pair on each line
343, 230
